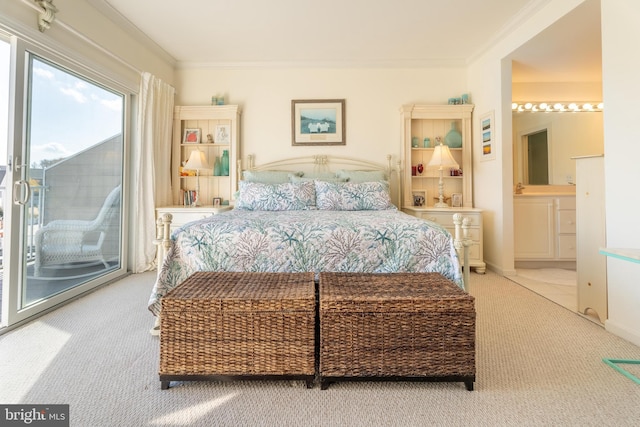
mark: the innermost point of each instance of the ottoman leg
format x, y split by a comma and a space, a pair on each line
309, 383
164, 385
469, 384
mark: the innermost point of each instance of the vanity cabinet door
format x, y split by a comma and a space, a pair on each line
534, 227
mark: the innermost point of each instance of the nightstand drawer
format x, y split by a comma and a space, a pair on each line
181, 218
183, 215
446, 218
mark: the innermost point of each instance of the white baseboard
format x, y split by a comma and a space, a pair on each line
622, 332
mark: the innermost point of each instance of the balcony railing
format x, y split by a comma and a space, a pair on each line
34, 221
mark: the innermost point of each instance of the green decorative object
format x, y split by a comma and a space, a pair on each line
224, 163
216, 167
453, 139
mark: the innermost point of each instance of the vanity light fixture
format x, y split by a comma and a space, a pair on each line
558, 107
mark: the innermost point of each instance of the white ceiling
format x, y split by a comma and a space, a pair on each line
352, 33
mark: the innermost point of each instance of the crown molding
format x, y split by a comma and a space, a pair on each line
104, 8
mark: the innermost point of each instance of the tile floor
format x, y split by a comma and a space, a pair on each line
555, 284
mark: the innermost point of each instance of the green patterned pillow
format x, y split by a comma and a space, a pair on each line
348, 196
257, 196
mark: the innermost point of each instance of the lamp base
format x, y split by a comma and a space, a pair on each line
441, 205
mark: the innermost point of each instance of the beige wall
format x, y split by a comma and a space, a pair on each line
621, 90
373, 100
102, 46
490, 84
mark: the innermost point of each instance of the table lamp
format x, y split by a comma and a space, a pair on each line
197, 160
442, 158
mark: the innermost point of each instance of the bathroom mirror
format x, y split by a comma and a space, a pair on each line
567, 135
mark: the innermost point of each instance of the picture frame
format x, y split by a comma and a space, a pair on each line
191, 136
217, 202
487, 130
420, 198
223, 134
318, 122
456, 200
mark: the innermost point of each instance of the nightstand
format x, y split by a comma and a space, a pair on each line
185, 214
444, 217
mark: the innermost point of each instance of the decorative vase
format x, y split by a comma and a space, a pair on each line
453, 138
216, 167
224, 163
426, 143
420, 168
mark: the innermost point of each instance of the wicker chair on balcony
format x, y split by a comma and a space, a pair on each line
69, 241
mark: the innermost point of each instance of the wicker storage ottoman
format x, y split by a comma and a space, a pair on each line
224, 325
415, 326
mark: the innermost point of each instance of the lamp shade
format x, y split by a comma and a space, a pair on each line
442, 158
197, 160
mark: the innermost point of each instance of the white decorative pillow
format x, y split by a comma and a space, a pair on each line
361, 176
268, 177
348, 196
257, 196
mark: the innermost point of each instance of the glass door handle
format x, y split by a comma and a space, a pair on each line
17, 186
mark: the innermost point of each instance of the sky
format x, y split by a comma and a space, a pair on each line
68, 114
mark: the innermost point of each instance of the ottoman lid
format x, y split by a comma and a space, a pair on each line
392, 292
239, 291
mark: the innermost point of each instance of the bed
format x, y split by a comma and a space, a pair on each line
325, 219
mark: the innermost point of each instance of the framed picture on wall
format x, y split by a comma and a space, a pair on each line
488, 146
318, 122
191, 136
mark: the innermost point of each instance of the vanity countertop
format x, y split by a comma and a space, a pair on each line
547, 191
550, 194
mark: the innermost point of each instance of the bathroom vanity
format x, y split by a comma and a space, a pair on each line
545, 225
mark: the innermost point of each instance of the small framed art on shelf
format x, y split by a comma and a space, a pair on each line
456, 200
191, 136
223, 134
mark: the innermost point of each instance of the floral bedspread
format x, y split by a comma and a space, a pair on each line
383, 241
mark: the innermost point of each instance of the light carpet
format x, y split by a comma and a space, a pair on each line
538, 364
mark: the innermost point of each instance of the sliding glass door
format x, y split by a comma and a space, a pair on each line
64, 180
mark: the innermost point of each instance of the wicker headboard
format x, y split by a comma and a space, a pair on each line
329, 163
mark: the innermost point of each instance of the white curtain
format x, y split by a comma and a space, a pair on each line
152, 166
